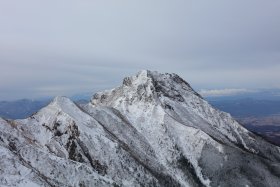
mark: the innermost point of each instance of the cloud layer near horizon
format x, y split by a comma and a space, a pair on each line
225, 92
67, 47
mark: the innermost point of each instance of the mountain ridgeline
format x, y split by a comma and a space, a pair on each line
153, 130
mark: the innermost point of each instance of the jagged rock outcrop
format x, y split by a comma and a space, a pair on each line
153, 130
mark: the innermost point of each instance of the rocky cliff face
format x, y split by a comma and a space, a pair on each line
153, 130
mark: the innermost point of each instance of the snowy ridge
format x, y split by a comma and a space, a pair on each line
153, 130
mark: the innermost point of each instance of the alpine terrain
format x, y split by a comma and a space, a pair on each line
153, 130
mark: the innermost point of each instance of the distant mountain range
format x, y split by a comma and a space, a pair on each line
21, 108
247, 107
24, 108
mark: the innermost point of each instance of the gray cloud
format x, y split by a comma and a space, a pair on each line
66, 47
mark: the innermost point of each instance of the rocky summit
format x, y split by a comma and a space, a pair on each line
153, 130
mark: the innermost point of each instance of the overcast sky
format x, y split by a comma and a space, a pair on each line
73, 46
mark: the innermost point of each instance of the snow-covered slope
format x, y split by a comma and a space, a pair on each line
153, 130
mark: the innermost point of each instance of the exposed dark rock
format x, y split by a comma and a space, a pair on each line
101, 169
185, 165
12, 146
1, 139
127, 81
167, 106
73, 152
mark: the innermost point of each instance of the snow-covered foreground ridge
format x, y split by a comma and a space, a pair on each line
153, 130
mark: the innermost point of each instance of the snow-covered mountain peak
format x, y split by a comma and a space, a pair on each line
134, 88
61, 102
161, 82
170, 85
61, 99
153, 130
140, 78
146, 86
153, 97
